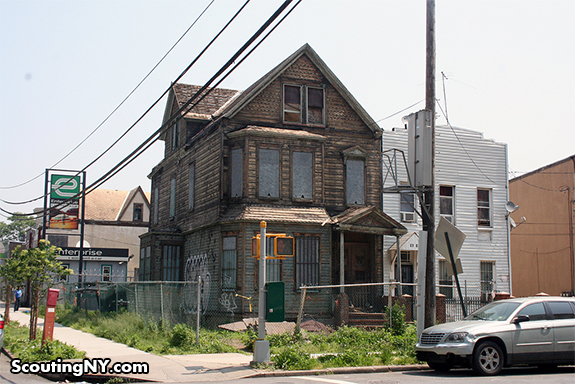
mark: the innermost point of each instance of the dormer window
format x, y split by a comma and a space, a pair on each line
304, 105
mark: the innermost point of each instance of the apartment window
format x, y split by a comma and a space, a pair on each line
229, 263
302, 175
172, 198
269, 172
355, 182
306, 261
486, 275
175, 135
138, 214
445, 279
236, 172
106, 273
446, 204
304, 104
484, 207
171, 263
407, 207
156, 204
191, 186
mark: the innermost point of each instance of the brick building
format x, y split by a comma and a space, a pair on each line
295, 150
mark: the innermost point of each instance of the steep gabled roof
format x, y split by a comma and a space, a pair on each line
109, 204
249, 94
368, 219
130, 198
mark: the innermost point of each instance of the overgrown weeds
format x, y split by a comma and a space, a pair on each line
17, 341
347, 346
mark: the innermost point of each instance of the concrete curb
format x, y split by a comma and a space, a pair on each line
342, 370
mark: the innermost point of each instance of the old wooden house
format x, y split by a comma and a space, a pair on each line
295, 150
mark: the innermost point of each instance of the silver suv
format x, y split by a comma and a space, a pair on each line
533, 330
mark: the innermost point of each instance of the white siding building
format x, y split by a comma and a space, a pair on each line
471, 191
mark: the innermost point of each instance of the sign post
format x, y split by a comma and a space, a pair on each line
262, 346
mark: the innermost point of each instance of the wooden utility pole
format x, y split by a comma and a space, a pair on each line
429, 194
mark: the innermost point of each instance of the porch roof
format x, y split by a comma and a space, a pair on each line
304, 215
368, 219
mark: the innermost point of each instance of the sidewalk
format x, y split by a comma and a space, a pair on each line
178, 368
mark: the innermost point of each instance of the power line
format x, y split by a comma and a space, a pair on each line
148, 110
177, 115
111, 113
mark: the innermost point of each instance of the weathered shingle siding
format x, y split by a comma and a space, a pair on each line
467, 161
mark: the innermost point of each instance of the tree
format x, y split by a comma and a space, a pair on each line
16, 229
8, 273
40, 268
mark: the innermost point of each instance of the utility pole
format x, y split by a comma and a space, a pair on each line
429, 194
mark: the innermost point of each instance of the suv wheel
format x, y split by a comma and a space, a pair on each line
487, 359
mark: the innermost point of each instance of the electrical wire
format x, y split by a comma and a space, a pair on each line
147, 111
178, 114
111, 113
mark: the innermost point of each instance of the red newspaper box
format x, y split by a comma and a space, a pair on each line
50, 316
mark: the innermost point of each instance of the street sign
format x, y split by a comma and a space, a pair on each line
456, 238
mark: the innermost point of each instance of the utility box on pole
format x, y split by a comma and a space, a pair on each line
419, 155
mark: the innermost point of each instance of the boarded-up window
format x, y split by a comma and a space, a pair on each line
307, 261
302, 175
172, 198
355, 180
236, 169
446, 195
315, 106
292, 104
483, 208
191, 186
171, 263
229, 263
156, 204
269, 172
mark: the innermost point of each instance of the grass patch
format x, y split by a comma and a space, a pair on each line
348, 346
17, 341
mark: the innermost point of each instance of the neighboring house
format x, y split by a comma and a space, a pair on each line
470, 192
114, 221
295, 150
542, 250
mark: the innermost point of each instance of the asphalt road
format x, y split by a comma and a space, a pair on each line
563, 375
7, 377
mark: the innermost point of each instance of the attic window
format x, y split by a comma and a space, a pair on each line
303, 104
138, 212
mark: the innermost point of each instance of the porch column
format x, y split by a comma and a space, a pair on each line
341, 261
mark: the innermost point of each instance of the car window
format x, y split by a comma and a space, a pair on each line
561, 310
535, 312
497, 310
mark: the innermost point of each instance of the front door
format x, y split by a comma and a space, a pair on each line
358, 263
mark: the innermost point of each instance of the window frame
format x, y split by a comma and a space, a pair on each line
487, 204
265, 182
349, 188
138, 207
451, 199
171, 260
310, 268
236, 170
302, 169
106, 276
305, 110
233, 252
173, 187
486, 286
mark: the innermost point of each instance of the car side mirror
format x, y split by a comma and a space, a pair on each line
520, 319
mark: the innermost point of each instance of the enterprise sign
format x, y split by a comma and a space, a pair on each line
93, 254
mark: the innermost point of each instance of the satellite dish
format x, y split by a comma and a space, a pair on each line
511, 207
512, 222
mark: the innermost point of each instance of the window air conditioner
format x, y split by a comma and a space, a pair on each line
408, 217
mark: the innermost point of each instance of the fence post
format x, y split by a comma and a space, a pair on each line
198, 310
300, 313
116, 289
162, 300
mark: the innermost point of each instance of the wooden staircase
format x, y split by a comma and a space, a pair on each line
367, 320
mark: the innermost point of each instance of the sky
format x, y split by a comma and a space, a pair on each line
505, 68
